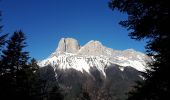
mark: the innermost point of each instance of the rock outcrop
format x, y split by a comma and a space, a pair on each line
70, 55
68, 45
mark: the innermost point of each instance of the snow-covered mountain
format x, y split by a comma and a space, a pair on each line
69, 54
99, 70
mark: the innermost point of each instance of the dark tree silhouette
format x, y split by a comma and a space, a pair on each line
45, 85
149, 19
2, 37
2, 42
33, 64
18, 77
14, 78
13, 57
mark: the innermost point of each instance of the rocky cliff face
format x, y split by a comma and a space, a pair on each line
68, 45
94, 48
69, 54
104, 73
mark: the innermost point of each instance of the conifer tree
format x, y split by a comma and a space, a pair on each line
149, 19
14, 68
45, 85
33, 65
2, 42
2, 37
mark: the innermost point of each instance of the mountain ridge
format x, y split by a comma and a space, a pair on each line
69, 54
100, 71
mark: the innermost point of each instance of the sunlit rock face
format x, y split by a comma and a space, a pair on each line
68, 45
100, 70
69, 54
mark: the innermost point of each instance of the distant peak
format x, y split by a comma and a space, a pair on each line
131, 50
69, 45
69, 55
94, 42
68, 38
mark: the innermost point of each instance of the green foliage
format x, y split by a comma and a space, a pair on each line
13, 57
149, 19
2, 37
19, 79
45, 85
14, 69
33, 64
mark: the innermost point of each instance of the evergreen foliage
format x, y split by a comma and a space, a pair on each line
13, 68
23, 80
45, 86
2, 37
19, 77
149, 19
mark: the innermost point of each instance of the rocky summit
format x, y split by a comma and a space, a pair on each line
104, 73
68, 45
69, 54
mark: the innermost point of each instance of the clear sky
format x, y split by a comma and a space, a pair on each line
46, 21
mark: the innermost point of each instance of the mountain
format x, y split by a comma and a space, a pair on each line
96, 69
69, 54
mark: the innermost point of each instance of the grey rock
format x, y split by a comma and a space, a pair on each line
68, 45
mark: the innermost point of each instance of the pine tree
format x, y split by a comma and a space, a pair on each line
33, 65
45, 85
2, 37
2, 42
14, 58
14, 67
149, 19
32, 79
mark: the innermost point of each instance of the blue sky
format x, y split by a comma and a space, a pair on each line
46, 21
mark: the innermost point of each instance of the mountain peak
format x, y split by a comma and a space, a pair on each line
131, 50
93, 48
94, 42
68, 45
69, 55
